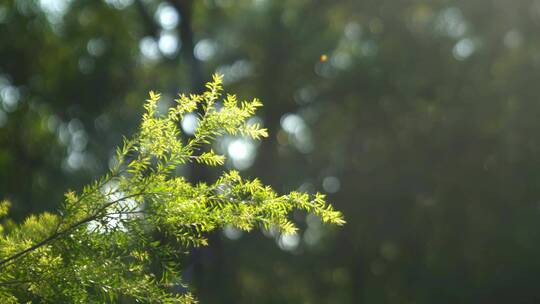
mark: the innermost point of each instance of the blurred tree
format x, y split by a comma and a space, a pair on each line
422, 126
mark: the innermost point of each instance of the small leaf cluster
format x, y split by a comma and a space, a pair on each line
122, 237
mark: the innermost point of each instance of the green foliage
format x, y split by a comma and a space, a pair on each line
122, 237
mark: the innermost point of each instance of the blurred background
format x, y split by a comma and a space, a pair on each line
420, 119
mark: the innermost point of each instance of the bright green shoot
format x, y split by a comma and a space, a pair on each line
123, 236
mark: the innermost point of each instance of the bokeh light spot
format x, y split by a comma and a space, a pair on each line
205, 49
167, 16
242, 153
10, 98
288, 242
190, 123
463, 49
168, 44
149, 48
232, 233
96, 47
119, 4
331, 184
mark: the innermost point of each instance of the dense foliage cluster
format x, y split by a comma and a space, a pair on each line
123, 236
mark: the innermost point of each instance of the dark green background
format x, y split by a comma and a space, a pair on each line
426, 112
